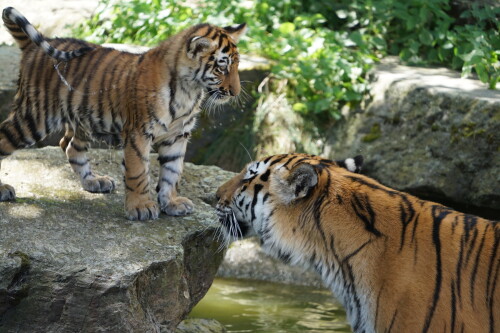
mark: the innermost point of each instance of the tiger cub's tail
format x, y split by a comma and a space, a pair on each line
24, 33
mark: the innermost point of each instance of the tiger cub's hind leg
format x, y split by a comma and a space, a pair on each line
12, 137
76, 149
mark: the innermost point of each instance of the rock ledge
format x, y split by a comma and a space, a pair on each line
70, 261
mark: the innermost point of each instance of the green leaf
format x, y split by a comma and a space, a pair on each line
299, 107
286, 27
357, 38
482, 73
425, 37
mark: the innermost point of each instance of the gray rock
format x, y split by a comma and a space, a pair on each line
196, 325
429, 132
246, 260
70, 261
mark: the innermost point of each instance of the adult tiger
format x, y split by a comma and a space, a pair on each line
397, 263
143, 99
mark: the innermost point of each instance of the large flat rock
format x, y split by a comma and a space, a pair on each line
70, 261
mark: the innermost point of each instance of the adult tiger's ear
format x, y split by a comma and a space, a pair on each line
294, 184
236, 31
353, 164
198, 45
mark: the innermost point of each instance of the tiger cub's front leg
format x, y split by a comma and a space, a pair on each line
138, 203
171, 158
76, 149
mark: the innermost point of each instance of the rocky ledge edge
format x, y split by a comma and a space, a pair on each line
70, 261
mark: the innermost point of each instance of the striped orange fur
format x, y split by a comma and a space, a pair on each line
397, 263
139, 99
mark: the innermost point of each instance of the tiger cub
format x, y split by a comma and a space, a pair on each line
397, 263
143, 99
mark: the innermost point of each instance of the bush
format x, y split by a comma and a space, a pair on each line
324, 48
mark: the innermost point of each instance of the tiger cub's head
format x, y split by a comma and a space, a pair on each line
265, 198
213, 58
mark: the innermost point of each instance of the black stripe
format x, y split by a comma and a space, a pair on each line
392, 321
318, 206
493, 255
267, 159
474, 270
32, 126
289, 161
37, 107
136, 149
265, 176
453, 306
209, 30
79, 148
169, 158
458, 270
21, 137
114, 65
14, 29
278, 159
170, 169
172, 87
491, 295
407, 214
257, 189
21, 38
9, 136
75, 162
471, 245
438, 214
168, 181
136, 177
361, 206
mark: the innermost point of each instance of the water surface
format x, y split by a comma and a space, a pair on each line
262, 307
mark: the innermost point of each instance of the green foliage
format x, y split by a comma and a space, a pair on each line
324, 48
460, 34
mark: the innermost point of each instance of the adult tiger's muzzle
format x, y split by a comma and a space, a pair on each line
233, 228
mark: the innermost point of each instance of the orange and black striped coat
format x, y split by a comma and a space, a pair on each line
139, 99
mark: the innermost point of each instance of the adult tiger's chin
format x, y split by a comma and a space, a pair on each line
232, 228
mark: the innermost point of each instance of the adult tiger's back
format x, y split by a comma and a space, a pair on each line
140, 99
397, 263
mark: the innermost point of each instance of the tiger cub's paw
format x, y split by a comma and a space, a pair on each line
7, 192
99, 184
146, 210
178, 206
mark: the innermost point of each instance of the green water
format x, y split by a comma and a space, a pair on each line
264, 307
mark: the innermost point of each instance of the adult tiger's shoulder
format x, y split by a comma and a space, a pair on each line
138, 99
397, 263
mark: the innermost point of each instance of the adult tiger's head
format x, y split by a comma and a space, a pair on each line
213, 58
261, 198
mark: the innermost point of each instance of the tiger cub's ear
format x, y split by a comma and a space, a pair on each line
236, 31
352, 164
197, 46
290, 185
